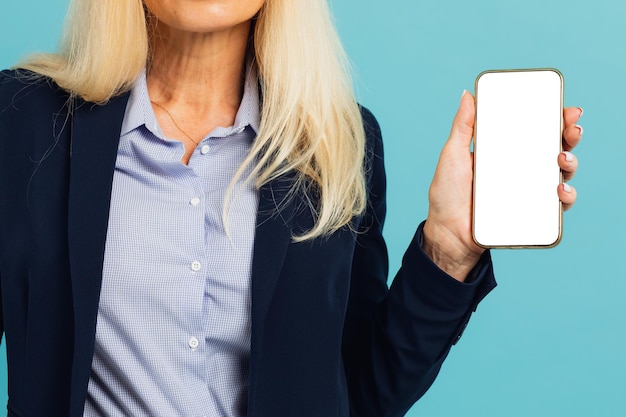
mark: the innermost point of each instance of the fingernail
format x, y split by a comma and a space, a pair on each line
463, 95
580, 128
567, 188
581, 112
569, 157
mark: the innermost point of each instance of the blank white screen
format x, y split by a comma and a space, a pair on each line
517, 143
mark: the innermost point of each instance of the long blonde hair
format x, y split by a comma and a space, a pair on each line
310, 121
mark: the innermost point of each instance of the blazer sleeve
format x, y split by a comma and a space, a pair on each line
396, 340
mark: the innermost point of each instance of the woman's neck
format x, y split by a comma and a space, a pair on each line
199, 71
195, 81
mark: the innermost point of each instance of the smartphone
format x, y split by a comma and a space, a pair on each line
518, 138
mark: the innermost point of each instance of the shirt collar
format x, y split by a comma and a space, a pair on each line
139, 111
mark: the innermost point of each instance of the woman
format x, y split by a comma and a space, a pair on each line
192, 205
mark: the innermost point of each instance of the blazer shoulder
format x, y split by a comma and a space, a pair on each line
19, 77
20, 88
374, 150
370, 124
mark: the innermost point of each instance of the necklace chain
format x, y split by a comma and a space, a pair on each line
174, 121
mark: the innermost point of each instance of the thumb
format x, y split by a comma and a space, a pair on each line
463, 124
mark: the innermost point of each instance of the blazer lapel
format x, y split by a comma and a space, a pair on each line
272, 238
95, 137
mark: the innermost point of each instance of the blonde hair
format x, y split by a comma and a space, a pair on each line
310, 121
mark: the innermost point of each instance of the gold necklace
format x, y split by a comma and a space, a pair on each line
174, 121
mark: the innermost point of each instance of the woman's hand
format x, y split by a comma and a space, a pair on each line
447, 232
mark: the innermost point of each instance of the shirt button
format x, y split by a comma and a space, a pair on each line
195, 266
194, 201
193, 343
205, 149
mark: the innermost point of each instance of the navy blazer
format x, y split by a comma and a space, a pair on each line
328, 337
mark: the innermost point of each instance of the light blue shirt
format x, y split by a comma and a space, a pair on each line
173, 329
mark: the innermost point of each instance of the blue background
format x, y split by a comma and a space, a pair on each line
551, 339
